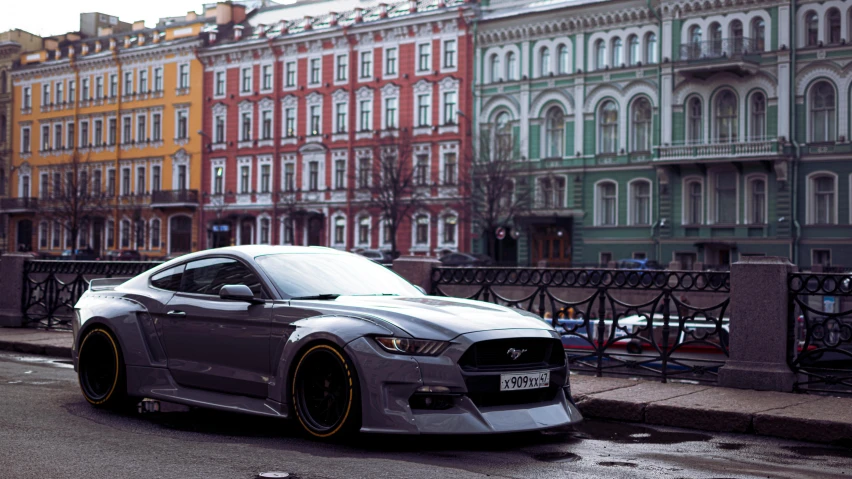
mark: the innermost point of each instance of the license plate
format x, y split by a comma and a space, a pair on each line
519, 381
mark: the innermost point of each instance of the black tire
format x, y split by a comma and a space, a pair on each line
325, 393
100, 370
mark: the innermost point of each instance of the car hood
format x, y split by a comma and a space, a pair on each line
431, 317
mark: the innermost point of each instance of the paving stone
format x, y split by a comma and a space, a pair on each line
629, 403
582, 386
823, 419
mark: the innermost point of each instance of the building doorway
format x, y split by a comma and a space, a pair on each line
180, 234
315, 231
25, 235
247, 231
551, 246
220, 234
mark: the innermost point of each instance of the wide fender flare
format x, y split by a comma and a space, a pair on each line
336, 330
121, 316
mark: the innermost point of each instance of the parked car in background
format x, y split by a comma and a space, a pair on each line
466, 259
87, 254
638, 264
123, 255
376, 255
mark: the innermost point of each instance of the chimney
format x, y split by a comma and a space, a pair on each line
140, 39
332, 21
238, 32
210, 12
308, 23
358, 17
223, 13
191, 16
138, 25
412, 6
126, 41
383, 10
238, 13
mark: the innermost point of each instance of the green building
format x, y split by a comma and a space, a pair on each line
676, 131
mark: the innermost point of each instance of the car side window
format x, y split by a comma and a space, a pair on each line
169, 279
207, 276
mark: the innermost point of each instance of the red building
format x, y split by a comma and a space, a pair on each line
296, 109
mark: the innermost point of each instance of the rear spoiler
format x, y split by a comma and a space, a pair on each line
105, 284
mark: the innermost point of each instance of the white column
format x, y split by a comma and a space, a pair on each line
666, 108
579, 115
525, 62
666, 38
525, 120
783, 28
784, 98
580, 51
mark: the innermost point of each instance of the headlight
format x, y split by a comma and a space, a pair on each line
417, 347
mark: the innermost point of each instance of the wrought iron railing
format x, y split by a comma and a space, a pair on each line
820, 325
720, 48
657, 333
174, 196
18, 204
718, 149
51, 288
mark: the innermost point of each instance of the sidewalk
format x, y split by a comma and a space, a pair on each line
786, 415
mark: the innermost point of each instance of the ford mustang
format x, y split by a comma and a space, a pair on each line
329, 339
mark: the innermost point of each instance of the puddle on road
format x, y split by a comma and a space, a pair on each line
556, 457
636, 434
60, 363
730, 446
811, 451
617, 464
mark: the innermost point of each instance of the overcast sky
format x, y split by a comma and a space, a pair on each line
52, 17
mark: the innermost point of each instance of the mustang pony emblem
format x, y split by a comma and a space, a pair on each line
515, 353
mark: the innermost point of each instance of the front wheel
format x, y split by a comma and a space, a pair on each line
326, 397
100, 369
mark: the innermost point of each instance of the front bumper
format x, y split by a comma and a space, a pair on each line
388, 382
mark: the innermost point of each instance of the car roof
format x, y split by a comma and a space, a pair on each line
249, 252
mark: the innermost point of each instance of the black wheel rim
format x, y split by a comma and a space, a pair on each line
97, 366
322, 391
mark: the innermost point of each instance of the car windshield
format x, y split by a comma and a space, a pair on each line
306, 275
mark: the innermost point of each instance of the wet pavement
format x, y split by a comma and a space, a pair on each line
48, 430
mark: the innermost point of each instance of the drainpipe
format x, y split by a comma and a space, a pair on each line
796, 148
473, 134
658, 246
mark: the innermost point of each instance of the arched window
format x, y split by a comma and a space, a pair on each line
693, 196
608, 128
633, 50
600, 55
155, 233
563, 60
823, 196
833, 21
694, 123
715, 32
736, 37
364, 231
124, 233
607, 203
695, 34
640, 202
726, 117
421, 230
495, 67
555, 133
641, 118
264, 230
511, 65
756, 213
811, 29
449, 226
503, 135
758, 34
180, 234
757, 129
822, 112
546, 193
616, 52
650, 48
545, 61
339, 231
695, 48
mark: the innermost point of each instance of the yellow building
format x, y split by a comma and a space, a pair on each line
112, 119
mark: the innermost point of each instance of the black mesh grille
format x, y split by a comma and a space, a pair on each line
494, 354
513, 398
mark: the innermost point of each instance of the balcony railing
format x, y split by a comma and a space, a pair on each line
716, 49
174, 198
18, 205
697, 151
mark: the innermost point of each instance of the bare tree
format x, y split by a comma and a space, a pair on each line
74, 203
396, 189
497, 195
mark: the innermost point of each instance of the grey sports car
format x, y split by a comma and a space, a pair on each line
329, 338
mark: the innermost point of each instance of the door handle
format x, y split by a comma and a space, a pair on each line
176, 313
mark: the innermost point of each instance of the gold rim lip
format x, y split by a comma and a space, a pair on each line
117, 372
348, 404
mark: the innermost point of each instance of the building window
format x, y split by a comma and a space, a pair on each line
694, 203
140, 180
315, 120
157, 132
424, 57
758, 116
60, 93
364, 231
811, 29
140, 234
390, 113
245, 80
339, 230
640, 197
287, 225
128, 83
220, 83
182, 125
290, 75
340, 118
758, 34
266, 124
218, 180
757, 199
726, 117
511, 66
219, 129
736, 36
266, 78
125, 233
27, 101
315, 70
365, 122
265, 175
143, 81
342, 67
313, 176
642, 120
421, 232
555, 135
449, 53
57, 235
616, 52
141, 129
450, 108
340, 174
423, 109
110, 183
821, 257
607, 196
633, 51
563, 61
183, 76
96, 183
364, 173
246, 127
833, 21
694, 123
366, 64
390, 61
158, 79
155, 234
822, 113
544, 58
450, 168
84, 132
725, 197
25, 140
289, 177
111, 131
503, 137
45, 137
495, 67
245, 181
155, 178
823, 195
608, 128
264, 231
715, 38
125, 181
290, 122
450, 223
421, 170
600, 54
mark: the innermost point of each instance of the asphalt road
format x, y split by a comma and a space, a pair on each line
47, 430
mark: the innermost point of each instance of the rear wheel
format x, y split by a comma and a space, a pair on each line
100, 370
326, 398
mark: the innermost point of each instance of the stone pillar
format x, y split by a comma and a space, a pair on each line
11, 286
417, 270
675, 266
758, 330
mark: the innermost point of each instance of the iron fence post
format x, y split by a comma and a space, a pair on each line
666, 329
600, 346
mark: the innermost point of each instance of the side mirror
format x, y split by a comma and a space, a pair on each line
420, 288
237, 292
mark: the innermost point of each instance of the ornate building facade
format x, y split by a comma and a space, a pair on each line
688, 132
299, 108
